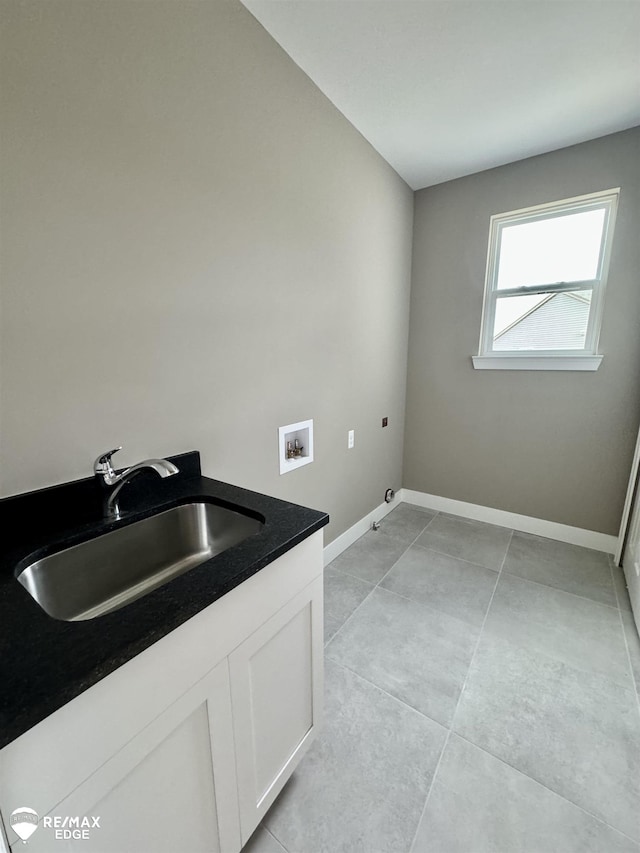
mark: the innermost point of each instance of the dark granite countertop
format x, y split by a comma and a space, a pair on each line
46, 662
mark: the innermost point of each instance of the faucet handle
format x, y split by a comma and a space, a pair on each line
102, 465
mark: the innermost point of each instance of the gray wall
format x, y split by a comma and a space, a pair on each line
198, 248
552, 445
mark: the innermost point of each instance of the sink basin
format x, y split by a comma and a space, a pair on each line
112, 570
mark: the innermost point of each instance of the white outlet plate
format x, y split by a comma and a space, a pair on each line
351, 438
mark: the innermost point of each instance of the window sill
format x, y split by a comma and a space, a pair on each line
536, 362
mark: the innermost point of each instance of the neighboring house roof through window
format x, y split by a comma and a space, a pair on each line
558, 321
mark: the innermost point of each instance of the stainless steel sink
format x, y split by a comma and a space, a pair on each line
105, 573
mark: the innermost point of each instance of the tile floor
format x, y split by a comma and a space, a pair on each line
480, 696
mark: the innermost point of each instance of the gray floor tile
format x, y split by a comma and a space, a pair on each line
412, 651
620, 584
342, 594
405, 523
503, 811
262, 842
370, 558
633, 644
575, 630
483, 544
453, 586
363, 784
575, 732
569, 567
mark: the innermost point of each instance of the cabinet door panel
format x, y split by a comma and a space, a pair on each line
167, 802
276, 688
281, 699
160, 793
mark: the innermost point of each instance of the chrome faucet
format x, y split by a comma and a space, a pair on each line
107, 476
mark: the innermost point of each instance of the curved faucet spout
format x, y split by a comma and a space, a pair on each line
108, 476
161, 466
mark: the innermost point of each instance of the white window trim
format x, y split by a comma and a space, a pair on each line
536, 362
583, 359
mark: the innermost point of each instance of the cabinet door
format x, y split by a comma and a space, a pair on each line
276, 690
172, 787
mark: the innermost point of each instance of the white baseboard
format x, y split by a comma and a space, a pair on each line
524, 523
342, 542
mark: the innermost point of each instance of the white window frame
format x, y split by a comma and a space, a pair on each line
586, 358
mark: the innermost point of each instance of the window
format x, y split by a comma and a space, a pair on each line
544, 291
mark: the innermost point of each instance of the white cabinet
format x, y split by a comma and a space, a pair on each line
187, 745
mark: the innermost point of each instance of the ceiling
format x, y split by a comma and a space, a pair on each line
445, 88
